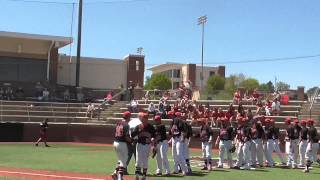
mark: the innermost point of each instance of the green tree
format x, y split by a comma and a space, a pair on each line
158, 81
250, 84
311, 91
215, 83
230, 84
282, 86
264, 87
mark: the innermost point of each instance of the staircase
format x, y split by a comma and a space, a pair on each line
107, 116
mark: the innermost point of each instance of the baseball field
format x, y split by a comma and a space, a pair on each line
96, 162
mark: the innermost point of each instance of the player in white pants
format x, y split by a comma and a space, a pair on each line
162, 147
269, 134
303, 143
178, 132
122, 137
206, 143
257, 144
277, 147
145, 133
313, 145
224, 142
244, 137
187, 143
292, 140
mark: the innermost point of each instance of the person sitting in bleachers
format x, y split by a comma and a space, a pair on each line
259, 106
268, 108
276, 107
237, 97
107, 99
134, 106
9, 93
1, 94
90, 110
146, 97
45, 94
152, 109
255, 96
66, 95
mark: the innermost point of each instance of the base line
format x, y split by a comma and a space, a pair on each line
48, 175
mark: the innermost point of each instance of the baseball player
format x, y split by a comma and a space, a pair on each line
122, 137
313, 145
269, 134
43, 133
187, 142
257, 144
178, 133
303, 143
206, 141
292, 139
276, 145
145, 133
161, 146
243, 153
224, 142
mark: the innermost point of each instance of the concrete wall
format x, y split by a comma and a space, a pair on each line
94, 72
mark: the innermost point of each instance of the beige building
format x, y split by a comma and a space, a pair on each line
30, 58
183, 72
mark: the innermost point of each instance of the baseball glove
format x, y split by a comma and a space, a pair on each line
154, 151
233, 148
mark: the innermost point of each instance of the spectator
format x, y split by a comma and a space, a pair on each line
45, 94
237, 97
1, 94
134, 106
108, 99
255, 96
259, 106
152, 109
90, 110
19, 92
9, 93
39, 89
276, 107
268, 108
131, 90
66, 95
146, 97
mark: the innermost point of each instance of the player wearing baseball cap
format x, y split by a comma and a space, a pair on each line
257, 147
269, 134
303, 143
206, 141
178, 132
145, 133
313, 144
224, 142
122, 137
161, 147
292, 139
277, 146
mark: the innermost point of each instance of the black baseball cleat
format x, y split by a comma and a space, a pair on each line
204, 168
158, 174
36, 144
47, 145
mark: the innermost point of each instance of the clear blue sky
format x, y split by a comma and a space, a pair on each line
237, 30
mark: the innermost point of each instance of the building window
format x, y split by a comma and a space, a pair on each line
176, 73
212, 73
137, 65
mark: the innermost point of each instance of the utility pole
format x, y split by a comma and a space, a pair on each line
202, 21
79, 44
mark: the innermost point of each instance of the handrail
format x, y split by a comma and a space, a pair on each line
312, 101
118, 94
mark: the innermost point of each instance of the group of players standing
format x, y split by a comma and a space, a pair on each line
253, 139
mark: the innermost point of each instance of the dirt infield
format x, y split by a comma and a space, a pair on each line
31, 174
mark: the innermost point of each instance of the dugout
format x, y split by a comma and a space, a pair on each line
29, 57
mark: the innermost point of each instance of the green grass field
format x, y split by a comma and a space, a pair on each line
101, 161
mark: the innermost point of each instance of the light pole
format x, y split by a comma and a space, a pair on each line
79, 44
202, 20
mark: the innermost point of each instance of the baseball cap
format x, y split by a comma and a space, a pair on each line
126, 114
157, 118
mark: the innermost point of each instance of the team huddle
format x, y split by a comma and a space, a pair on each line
252, 139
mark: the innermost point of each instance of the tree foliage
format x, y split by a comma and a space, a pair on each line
215, 83
282, 86
250, 84
158, 81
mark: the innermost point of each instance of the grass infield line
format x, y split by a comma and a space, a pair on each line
47, 175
